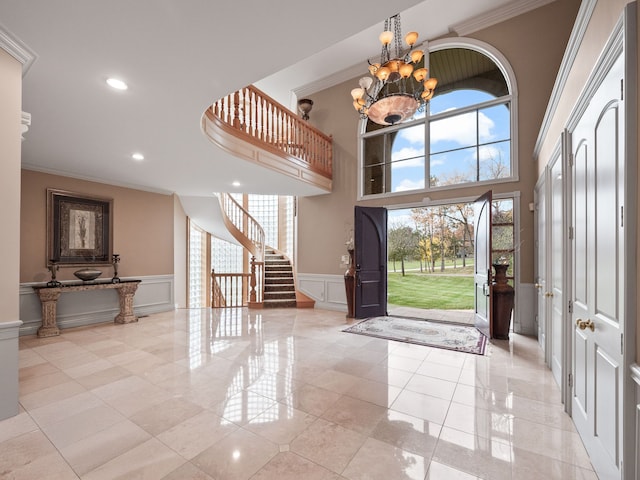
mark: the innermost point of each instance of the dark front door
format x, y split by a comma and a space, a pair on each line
370, 232
482, 262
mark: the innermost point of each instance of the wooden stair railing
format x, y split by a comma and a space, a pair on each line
250, 234
242, 226
256, 118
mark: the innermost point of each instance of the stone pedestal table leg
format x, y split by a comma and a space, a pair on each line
49, 299
126, 291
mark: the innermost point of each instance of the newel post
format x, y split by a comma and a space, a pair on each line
252, 281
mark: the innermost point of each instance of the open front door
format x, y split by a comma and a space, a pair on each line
482, 262
370, 233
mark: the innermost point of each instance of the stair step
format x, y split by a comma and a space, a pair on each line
279, 296
280, 287
279, 303
278, 275
277, 281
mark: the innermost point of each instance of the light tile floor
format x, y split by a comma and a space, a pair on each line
281, 394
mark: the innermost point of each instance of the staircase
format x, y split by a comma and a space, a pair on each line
279, 286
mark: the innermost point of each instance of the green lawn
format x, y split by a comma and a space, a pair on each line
418, 290
414, 265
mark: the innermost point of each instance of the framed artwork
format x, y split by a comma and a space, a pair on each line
79, 228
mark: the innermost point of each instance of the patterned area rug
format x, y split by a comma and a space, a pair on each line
452, 336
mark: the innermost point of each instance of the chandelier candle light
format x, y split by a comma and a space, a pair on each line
399, 85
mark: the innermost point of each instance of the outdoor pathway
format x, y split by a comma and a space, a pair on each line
459, 316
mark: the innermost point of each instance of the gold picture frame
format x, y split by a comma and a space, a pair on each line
79, 229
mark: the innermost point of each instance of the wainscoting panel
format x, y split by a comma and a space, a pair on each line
327, 290
524, 319
9, 368
75, 309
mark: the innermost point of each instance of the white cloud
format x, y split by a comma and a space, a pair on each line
488, 152
407, 184
415, 154
462, 129
413, 134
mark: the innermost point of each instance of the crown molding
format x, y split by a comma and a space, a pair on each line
17, 49
497, 15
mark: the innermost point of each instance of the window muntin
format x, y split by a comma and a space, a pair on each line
464, 137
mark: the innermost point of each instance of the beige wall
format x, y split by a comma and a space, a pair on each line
10, 150
143, 225
535, 58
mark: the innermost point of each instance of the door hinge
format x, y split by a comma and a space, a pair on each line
571, 159
570, 233
570, 380
621, 216
622, 89
622, 344
570, 306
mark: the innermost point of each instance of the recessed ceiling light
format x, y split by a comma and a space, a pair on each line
137, 156
236, 184
117, 83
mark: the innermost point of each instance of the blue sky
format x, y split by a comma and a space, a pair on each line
449, 137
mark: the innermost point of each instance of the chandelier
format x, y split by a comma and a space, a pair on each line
399, 85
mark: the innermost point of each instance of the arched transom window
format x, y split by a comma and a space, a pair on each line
463, 138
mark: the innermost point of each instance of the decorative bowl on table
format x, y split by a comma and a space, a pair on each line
87, 274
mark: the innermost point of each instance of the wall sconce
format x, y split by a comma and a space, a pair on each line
305, 105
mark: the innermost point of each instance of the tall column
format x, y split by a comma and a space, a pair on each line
10, 151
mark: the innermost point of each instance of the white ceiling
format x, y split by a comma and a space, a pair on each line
178, 57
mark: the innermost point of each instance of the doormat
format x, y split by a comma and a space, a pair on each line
451, 336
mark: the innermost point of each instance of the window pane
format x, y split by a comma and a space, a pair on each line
374, 151
502, 211
494, 124
502, 237
495, 161
407, 174
407, 156
454, 132
373, 181
456, 99
450, 168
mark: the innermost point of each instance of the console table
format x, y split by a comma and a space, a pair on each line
49, 295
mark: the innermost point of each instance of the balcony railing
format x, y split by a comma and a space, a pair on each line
256, 118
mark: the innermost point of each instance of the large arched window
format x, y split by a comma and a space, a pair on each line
463, 138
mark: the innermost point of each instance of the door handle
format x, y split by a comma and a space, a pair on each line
548, 294
584, 324
538, 286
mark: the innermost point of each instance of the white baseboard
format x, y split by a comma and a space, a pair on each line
154, 295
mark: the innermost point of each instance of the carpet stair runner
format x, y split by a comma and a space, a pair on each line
279, 286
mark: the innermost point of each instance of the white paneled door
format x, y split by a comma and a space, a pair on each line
598, 286
554, 287
482, 263
541, 264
